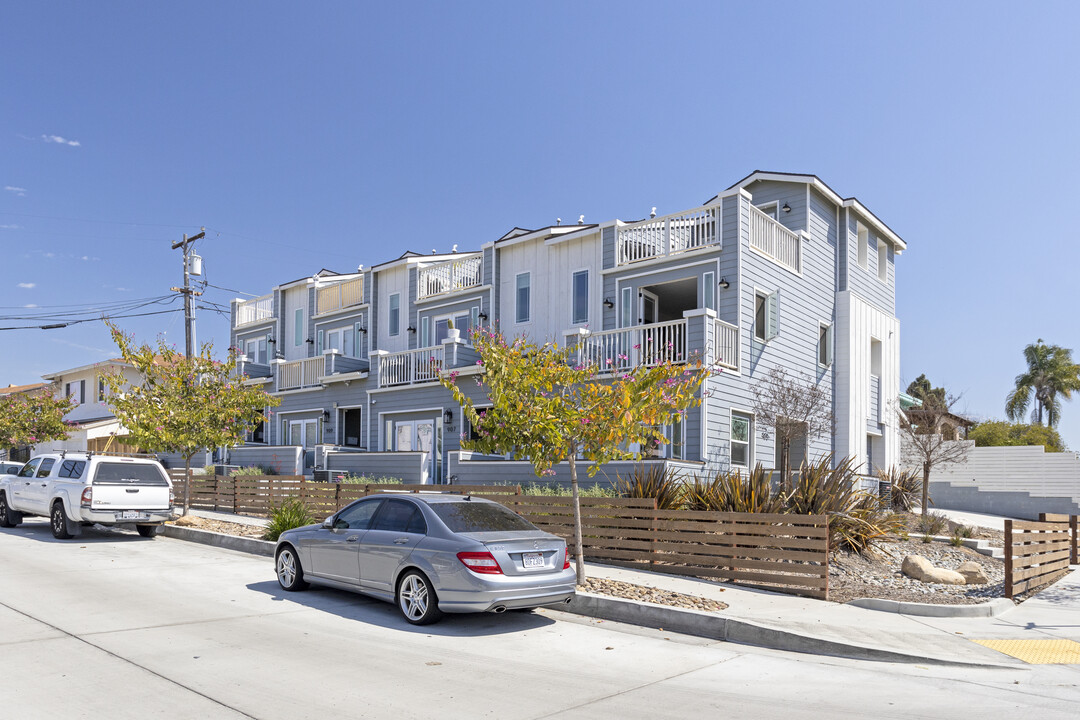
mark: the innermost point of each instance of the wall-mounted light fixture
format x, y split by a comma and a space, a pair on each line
310, 341
786, 208
411, 329
482, 316
724, 284
362, 329
270, 339
448, 415
608, 304
326, 415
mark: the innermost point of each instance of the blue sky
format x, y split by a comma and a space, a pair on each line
310, 135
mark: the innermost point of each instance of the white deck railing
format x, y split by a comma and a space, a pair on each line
626, 348
339, 295
301, 373
250, 311
773, 239
450, 276
668, 235
411, 366
727, 345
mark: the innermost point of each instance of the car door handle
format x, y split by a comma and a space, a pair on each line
401, 541
44, 484
352, 538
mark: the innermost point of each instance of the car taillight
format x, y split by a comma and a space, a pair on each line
87, 497
172, 497
566, 559
483, 563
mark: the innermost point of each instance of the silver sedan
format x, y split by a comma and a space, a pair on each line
430, 554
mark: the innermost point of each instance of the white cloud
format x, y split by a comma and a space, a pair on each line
20, 192
9, 227
50, 255
59, 140
27, 286
31, 305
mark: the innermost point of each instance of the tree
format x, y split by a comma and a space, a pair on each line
997, 433
921, 389
1051, 372
183, 404
921, 432
548, 409
28, 419
793, 407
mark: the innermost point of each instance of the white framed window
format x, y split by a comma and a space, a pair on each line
675, 435
255, 350
708, 291
442, 325
474, 317
864, 240
626, 307
742, 434
76, 391
425, 331
393, 320
766, 315
298, 327
101, 388
882, 261
825, 345
770, 209
580, 297
522, 285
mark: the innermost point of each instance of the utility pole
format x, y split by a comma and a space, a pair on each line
189, 318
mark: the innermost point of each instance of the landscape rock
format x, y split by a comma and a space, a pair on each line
921, 569
973, 573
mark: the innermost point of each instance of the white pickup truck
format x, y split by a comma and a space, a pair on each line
74, 489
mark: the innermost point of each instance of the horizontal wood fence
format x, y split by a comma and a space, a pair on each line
1038, 553
785, 553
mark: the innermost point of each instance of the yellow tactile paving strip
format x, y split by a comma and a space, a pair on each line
1037, 652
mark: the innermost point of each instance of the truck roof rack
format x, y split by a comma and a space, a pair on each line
149, 456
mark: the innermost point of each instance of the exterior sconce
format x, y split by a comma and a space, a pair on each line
786, 208
482, 317
724, 284
362, 329
448, 415
310, 341
608, 304
411, 329
326, 415
270, 339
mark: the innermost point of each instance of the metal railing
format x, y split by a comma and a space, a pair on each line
641, 345
668, 235
727, 345
339, 295
301, 373
255, 310
774, 240
411, 366
450, 276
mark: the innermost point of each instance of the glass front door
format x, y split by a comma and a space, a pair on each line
418, 435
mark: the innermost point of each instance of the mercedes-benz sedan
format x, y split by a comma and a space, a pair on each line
430, 554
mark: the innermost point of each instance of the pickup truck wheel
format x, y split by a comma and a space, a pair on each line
290, 575
147, 531
8, 518
59, 521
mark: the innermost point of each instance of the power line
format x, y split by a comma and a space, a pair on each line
94, 312
56, 326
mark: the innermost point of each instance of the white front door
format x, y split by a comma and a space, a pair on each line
418, 435
305, 434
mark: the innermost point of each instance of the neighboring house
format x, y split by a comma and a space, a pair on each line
21, 453
94, 425
776, 270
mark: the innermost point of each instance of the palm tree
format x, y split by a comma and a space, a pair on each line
1051, 373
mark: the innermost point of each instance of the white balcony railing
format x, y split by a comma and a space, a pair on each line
626, 348
727, 345
668, 235
255, 310
411, 366
773, 239
301, 373
450, 276
339, 295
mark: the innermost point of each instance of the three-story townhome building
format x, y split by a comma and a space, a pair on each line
777, 270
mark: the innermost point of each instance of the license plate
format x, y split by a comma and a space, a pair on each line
532, 560
130, 515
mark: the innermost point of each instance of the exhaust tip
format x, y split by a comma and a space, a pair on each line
498, 609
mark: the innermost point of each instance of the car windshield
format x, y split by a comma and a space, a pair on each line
468, 517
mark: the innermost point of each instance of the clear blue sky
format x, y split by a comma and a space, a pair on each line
310, 135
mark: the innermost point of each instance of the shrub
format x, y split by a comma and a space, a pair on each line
933, 523
665, 486
248, 470
286, 516
731, 491
557, 490
370, 480
905, 488
956, 540
965, 531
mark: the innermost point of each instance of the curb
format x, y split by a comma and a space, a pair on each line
221, 540
995, 607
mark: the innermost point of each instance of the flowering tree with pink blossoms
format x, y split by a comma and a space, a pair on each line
32, 418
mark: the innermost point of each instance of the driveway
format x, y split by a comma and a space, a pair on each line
115, 626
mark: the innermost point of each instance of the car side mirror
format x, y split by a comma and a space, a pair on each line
328, 522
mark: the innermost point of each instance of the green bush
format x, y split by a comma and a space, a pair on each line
933, 523
731, 491
370, 480
286, 516
249, 470
557, 490
664, 486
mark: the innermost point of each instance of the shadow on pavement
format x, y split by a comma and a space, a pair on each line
361, 608
38, 529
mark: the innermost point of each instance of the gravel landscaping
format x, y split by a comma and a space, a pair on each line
630, 591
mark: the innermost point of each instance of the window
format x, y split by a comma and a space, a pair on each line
298, 327
72, 469
882, 261
29, 468
399, 516
708, 290
255, 350
76, 391
257, 433
425, 332
101, 388
677, 448
825, 345
766, 315
358, 516
474, 317
626, 307
581, 297
359, 349
740, 439
442, 326
394, 320
46, 467
522, 282
864, 238
769, 209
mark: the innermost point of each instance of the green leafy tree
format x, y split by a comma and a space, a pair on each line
1051, 373
997, 433
183, 404
32, 418
922, 389
549, 409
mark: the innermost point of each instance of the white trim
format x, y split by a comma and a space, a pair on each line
831, 351
331, 315
382, 423
428, 305
777, 263
580, 235
653, 262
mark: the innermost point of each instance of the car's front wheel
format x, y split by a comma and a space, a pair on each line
290, 574
8, 518
59, 521
416, 599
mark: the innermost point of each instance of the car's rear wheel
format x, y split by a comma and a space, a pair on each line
147, 531
416, 599
290, 574
58, 520
8, 518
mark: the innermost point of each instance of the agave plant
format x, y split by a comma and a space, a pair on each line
731, 491
664, 485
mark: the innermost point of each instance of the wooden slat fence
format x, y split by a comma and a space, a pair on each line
1037, 553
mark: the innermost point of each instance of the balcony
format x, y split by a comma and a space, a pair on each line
255, 310
339, 296
411, 366
300, 374
726, 344
450, 276
775, 241
698, 335
668, 235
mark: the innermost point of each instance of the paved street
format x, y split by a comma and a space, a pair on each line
114, 626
